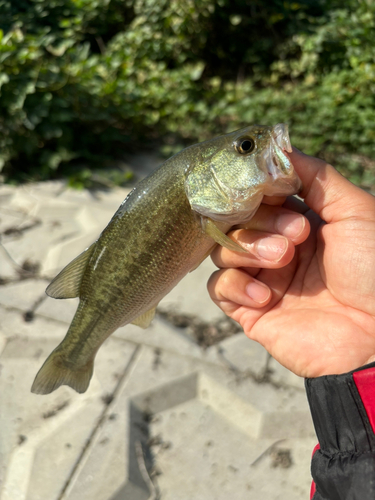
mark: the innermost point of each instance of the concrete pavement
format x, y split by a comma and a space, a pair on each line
163, 417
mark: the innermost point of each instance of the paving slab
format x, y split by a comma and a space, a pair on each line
278, 374
23, 294
242, 356
199, 438
42, 435
163, 417
57, 309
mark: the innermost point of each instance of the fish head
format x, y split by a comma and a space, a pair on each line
230, 174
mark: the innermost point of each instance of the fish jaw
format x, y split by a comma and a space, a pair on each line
280, 133
283, 180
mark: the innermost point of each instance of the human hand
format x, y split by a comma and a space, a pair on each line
312, 306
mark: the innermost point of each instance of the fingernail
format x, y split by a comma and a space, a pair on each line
290, 225
272, 248
258, 292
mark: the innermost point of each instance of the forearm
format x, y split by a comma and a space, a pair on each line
343, 411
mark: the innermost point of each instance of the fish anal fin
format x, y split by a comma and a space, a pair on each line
145, 319
67, 283
55, 373
211, 229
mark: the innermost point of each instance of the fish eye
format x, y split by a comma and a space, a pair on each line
245, 145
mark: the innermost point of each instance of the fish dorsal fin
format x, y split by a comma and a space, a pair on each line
210, 228
145, 319
67, 283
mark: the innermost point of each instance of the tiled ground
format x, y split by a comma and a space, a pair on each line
163, 418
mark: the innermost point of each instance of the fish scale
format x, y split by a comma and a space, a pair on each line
164, 228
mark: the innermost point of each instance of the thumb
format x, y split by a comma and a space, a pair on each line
328, 193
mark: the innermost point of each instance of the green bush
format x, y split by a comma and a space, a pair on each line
82, 81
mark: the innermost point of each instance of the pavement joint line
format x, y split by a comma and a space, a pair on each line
31, 192
54, 320
30, 313
107, 409
14, 212
23, 274
22, 226
262, 378
3, 343
21, 312
10, 258
62, 190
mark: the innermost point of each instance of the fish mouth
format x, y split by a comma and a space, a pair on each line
280, 144
280, 134
280, 164
280, 168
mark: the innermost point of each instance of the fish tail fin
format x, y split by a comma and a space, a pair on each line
55, 372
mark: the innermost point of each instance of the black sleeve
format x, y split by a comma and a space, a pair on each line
343, 412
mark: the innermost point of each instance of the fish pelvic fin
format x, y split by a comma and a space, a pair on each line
210, 228
67, 284
54, 373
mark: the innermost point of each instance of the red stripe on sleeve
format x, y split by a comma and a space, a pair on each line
313, 487
365, 383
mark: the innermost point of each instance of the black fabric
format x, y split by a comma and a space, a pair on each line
344, 467
344, 476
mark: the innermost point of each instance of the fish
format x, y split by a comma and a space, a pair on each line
167, 225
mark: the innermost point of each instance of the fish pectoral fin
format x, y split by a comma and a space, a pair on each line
54, 373
210, 228
67, 283
145, 319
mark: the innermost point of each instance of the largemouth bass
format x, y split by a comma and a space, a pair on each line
168, 224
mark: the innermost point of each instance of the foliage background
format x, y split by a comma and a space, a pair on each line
82, 81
